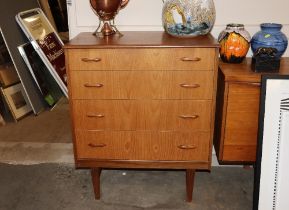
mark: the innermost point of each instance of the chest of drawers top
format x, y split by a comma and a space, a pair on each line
140, 39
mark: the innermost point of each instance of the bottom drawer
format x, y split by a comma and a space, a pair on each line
142, 145
246, 153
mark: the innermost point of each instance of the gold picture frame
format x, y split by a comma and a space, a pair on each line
17, 101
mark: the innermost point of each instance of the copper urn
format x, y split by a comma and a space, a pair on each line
106, 10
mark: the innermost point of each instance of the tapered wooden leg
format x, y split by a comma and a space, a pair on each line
95, 175
190, 177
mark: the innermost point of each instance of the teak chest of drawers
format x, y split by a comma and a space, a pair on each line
144, 100
237, 111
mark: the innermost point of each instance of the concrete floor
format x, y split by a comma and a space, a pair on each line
40, 175
60, 186
49, 126
27, 153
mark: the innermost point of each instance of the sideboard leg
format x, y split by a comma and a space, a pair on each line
190, 177
95, 175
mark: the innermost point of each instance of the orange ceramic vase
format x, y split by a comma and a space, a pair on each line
234, 43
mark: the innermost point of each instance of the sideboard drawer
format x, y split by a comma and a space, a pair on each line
142, 59
242, 114
141, 84
239, 153
243, 97
142, 114
142, 145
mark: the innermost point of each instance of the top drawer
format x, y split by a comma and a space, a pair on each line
142, 59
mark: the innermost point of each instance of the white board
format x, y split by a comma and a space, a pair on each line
272, 172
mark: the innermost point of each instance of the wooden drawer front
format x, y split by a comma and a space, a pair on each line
142, 59
243, 97
242, 115
142, 145
239, 153
142, 114
139, 85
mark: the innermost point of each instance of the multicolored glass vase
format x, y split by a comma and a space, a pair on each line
188, 18
234, 43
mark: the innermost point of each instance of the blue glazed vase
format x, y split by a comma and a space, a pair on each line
270, 36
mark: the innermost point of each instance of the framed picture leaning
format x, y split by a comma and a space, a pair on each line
271, 182
17, 101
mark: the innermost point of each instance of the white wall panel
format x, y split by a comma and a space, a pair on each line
252, 12
137, 12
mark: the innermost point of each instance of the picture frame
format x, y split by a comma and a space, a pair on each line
13, 37
17, 101
43, 79
271, 183
46, 42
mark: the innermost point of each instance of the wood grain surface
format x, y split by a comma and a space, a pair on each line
143, 114
143, 145
243, 73
142, 59
142, 84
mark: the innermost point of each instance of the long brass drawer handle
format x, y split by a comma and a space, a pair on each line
189, 86
191, 59
189, 116
91, 59
96, 145
95, 115
97, 85
182, 146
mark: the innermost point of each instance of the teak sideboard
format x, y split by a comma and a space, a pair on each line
143, 100
237, 111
